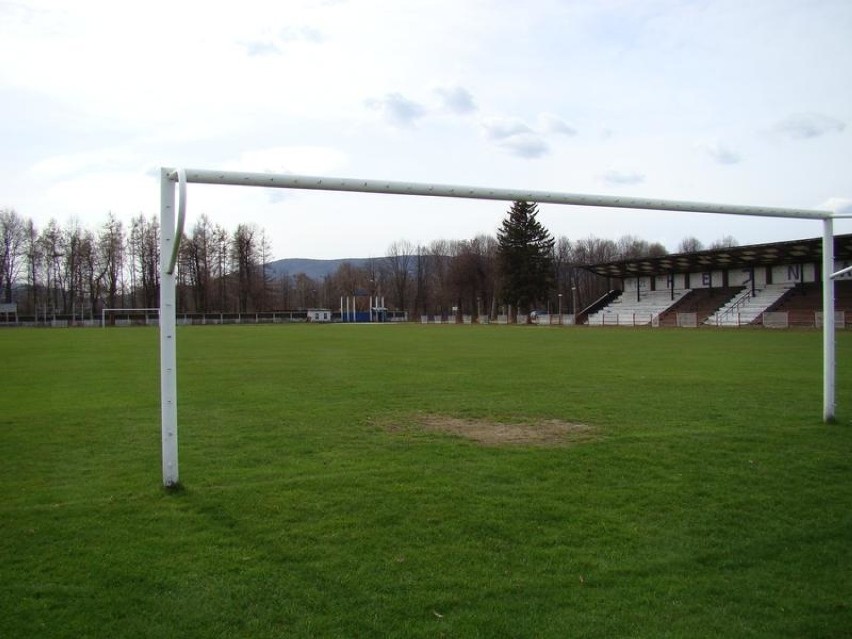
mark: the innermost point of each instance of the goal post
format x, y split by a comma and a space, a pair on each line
129, 312
172, 221
169, 241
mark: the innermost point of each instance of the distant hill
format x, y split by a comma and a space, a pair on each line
315, 269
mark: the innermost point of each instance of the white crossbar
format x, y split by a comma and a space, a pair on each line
318, 183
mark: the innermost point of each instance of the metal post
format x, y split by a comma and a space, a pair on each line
574, 303
168, 347
828, 402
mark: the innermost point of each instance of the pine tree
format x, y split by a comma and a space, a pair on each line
525, 256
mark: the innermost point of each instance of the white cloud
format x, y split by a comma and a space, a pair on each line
64, 166
554, 124
125, 193
261, 48
302, 34
720, 153
525, 145
840, 205
502, 128
801, 126
276, 43
457, 100
515, 136
622, 178
309, 160
397, 109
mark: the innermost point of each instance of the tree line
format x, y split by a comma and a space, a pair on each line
69, 269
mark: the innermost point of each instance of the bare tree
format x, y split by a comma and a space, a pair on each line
197, 252
632, 247
52, 249
33, 258
73, 266
374, 278
305, 291
147, 247
90, 274
398, 266
564, 267
13, 239
111, 254
284, 291
347, 280
265, 283
440, 259
473, 275
586, 251
221, 244
726, 241
422, 272
466, 277
690, 245
245, 257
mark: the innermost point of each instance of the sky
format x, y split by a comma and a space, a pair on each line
709, 100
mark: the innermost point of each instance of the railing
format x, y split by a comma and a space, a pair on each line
595, 306
626, 319
739, 302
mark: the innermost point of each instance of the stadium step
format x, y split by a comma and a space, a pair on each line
626, 310
744, 307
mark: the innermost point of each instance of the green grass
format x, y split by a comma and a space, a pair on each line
711, 500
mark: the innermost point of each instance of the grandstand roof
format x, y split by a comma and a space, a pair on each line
794, 252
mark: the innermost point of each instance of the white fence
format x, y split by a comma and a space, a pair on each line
839, 319
687, 320
776, 319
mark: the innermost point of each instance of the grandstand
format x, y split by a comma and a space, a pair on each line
737, 286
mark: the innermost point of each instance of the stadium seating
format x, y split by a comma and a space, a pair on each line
626, 310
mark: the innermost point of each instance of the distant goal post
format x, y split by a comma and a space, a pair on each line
172, 219
129, 316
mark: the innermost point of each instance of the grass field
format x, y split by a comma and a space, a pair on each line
700, 497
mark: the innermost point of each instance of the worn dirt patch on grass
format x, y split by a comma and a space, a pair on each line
549, 432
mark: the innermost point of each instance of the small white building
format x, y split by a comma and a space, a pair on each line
319, 315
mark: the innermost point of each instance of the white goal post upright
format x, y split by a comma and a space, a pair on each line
168, 322
828, 336
170, 238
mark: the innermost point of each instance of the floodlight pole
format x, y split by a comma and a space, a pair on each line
828, 336
168, 322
